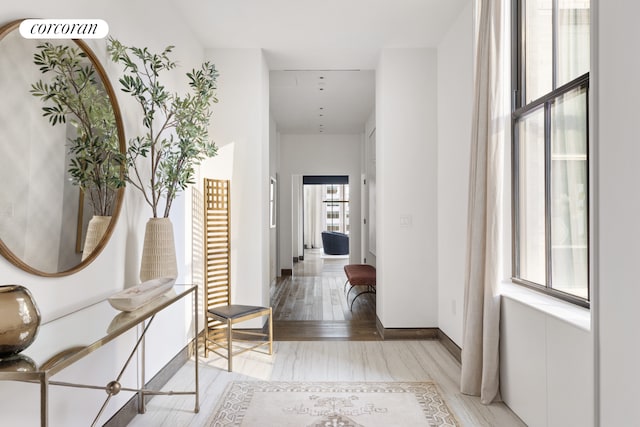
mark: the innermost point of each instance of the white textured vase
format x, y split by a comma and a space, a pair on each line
95, 231
159, 250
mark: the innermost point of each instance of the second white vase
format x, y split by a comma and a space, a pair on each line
158, 251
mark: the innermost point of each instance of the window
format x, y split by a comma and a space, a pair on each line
336, 207
550, 147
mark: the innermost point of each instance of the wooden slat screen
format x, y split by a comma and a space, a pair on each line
217, 245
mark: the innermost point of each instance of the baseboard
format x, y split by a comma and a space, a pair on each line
406, 333
420, 334
450, 345
324, 330
124, 416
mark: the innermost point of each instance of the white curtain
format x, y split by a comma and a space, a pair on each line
484, 269
313, 216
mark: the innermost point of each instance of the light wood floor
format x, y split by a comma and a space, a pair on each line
319, 339
325, 361
312, 304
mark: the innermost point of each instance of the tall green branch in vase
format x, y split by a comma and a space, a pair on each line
176, 137
73, 94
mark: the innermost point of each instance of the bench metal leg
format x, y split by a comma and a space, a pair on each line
370, 290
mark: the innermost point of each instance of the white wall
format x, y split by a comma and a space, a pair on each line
145, 23
241, 121
274, 153
317, 155
368, 197
618, 208
455, 86
297, 217
406, 192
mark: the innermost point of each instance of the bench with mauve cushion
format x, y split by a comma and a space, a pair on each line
360, 275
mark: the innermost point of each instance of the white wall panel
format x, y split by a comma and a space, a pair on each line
523, 366
569, 375
546, 367
618, 231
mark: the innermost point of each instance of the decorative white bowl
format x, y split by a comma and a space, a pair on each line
133, 298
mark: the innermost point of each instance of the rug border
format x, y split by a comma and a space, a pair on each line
231, 384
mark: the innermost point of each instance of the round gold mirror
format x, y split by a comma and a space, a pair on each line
63, 148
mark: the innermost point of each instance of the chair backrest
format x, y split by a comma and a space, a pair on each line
217, 244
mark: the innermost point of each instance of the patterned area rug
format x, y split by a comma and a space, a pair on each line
328, 404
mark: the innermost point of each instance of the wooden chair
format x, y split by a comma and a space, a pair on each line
221, 314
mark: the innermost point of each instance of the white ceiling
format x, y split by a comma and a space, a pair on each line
302, 37
336, 102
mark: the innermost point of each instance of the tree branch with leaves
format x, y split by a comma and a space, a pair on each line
176, 129
74, 94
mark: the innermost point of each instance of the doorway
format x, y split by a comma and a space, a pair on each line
326, 216
313, 303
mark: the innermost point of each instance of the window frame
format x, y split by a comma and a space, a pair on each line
336, 199
521, 108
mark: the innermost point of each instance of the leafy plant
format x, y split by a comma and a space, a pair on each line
74, 94
176, 137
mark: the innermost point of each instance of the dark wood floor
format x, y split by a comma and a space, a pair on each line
312, 305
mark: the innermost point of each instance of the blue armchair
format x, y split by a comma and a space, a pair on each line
335, 243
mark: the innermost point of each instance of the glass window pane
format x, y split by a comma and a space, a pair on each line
573, 39
538, 49
569, 200
531, 200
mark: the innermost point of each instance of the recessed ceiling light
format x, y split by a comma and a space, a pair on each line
321, 115
321, 77
321, 88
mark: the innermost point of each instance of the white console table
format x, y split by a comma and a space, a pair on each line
99, 324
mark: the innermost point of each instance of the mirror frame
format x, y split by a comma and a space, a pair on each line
4, 250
